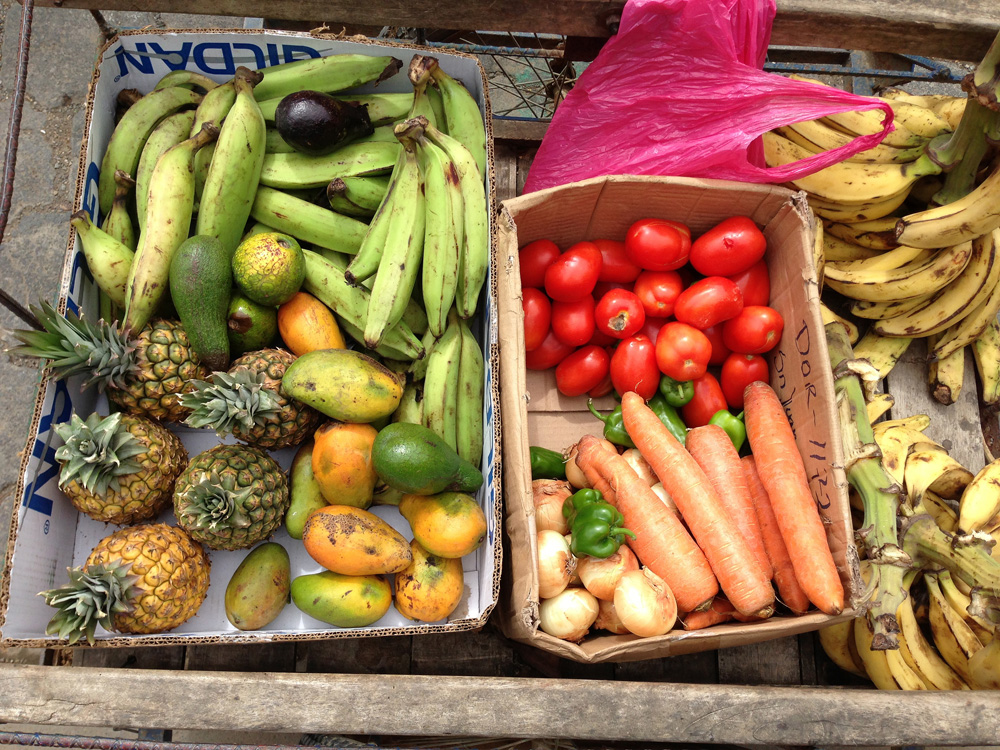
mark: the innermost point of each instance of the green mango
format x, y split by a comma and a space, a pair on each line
341, 600
259, 589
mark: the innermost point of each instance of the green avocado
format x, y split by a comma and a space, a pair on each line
200, 286
413, 459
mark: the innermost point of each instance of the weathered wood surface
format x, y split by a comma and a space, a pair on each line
498, 707
952, 29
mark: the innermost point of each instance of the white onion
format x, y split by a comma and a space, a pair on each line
574, 474
574, 579
607, 619
548, 496
555, 563
568, 615
661, 492
645, 604
640, 466
600, 576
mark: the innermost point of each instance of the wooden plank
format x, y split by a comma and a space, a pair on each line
953, 29
389, 655
145, 657
700, 669
239, 657
771, 663
496, 707
485, 652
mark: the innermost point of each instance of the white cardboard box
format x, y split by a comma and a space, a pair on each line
48, 535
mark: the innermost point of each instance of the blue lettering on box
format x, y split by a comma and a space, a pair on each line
90, 204
257, 52
173, 59
62, 406
293, 52
137, 58
225, 50
212, 58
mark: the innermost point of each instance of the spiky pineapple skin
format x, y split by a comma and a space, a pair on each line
142, 495
172, 570
165, 363
294, 422
246, 466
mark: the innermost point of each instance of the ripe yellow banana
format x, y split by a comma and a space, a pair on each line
817, 136
168, 222
955, 640
881, 310
971, 216
877, 234
837, 641
984, 666
879, 405
131, 132
858, 213
986, 354
883, 261
955, 301
846, 183
881, 351
969, 328
829, 316
471, 392
935, 470
920, 120
945, 516
946, 376
875, 662
171, 131
981, 499
234, 171
837, 250
962, 604
910, 280
441, 381
927, 661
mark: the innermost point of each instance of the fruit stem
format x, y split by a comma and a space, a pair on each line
880, 495
961, 153
983, 82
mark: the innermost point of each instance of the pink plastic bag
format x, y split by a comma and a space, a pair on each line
680, 91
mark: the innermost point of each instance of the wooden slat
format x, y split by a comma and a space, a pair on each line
953, 29
239, 657
484, 653
496, 707
770, 663
389, 655
147, 657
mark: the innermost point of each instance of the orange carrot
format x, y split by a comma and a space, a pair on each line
597, 481
661, 542
781, 471
715, 453
711, 525
720, 611
789, 589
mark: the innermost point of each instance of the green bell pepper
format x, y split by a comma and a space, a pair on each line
676, 392
614, 425
669, 416
595, 526
546, 464
733, 426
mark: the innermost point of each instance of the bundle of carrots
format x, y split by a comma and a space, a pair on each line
734, 526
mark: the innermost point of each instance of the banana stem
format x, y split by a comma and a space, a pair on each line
961, 153
982, 84
880, 495
965, 556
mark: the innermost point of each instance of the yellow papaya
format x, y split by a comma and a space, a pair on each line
306, 324
354, 542
431, 586
450, 524
342, 463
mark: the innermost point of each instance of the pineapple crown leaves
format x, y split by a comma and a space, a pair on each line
72, 345
93, 595
96, 452
215, 502
230, 399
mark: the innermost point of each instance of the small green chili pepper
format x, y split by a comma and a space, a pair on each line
614, 425
676, 392
733, 426
594, 524
669, 416
546, 464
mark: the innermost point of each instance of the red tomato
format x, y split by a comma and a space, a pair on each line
574, 273
603, 388
738, 371
708, 399
619, 314
657, 244
548, 354
615, 263
719, 349
537, 317
658, 291
603, 287
600, 338
682, 351
755, 283
652, 327
573, 322
728, 248
534, 258
709, 301
633, 367
757, 329
582, 371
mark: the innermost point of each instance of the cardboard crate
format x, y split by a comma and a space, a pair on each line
535, 413
48, 535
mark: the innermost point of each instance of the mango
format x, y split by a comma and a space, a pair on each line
354, 542
306, 324
414, 459
342, 463
343, 384
342, 600
259, 589
304, 491
450, 524
430, 588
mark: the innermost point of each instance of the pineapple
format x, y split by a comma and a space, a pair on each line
142, 375
231, 497
249, 403
119, 469
141, 579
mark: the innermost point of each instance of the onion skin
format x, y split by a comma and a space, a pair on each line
640, 466
607, 619
548, 496
568, 615
601, 576
645, 604
574, 474
556, 563
661, 492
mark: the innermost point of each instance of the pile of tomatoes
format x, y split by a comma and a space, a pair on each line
610, 315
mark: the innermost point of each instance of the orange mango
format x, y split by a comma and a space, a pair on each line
342, 463
430, 588
449, 524
306, 325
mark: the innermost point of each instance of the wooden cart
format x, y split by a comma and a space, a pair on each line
783, 692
